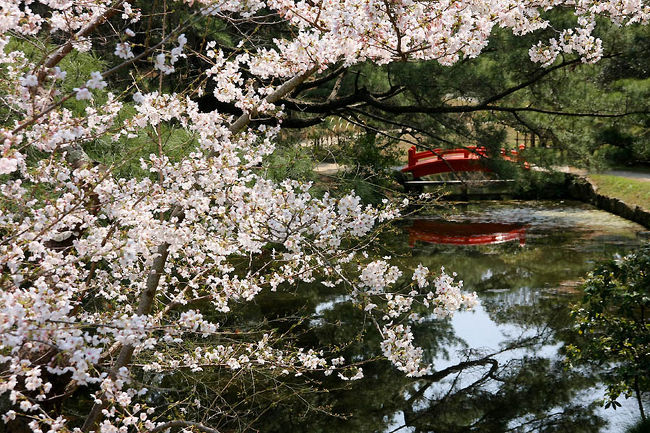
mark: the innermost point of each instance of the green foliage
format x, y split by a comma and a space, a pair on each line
613, 319
77, 65
613, 154
365, 162
125, 154
368, 167
619, 83
289, 161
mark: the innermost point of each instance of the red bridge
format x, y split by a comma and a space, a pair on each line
453, 160
439, 232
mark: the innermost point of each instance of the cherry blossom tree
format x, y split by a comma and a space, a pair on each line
104, 276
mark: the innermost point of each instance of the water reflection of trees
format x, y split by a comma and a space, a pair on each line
509, 390
514, 388
521, 386
530, 394
517, 388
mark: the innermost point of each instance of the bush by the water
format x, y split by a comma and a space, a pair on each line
614, 324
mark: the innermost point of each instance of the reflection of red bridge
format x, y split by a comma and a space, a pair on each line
452, 160
439, 232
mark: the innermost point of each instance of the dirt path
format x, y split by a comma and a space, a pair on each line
327, 169
630, 174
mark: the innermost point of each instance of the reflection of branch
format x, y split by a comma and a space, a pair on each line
171, 424
410, 415
552, 421
487, 359
439, 375
494, 365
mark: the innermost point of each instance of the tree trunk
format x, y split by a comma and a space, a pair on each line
638, 397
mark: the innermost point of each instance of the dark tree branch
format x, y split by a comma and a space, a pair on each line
420, 109
402, 125
296, 123
361, 97
530, 82
320, 81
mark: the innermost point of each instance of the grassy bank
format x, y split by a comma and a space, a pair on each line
632, 191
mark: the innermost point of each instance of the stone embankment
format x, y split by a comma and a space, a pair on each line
579, 188
553, 186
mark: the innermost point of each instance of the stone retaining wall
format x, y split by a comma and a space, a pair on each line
579, 188
556, 186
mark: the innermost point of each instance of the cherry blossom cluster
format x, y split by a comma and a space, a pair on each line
100, 236
104, 277
440, 295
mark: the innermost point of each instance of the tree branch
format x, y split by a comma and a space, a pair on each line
319, 81
243, 120
153, 279
65, 49
362, 97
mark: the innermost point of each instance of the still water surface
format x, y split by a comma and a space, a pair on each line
500, 366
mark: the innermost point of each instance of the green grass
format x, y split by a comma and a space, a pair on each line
632, 191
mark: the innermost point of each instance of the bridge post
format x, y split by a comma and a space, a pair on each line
411, 155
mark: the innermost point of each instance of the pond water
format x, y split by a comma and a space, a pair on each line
499, 367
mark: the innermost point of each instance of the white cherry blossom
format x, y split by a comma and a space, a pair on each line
97, 264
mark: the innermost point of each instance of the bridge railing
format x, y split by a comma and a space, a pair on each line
431, 157
414, 156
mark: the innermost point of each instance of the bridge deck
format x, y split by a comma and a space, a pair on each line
439, 161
